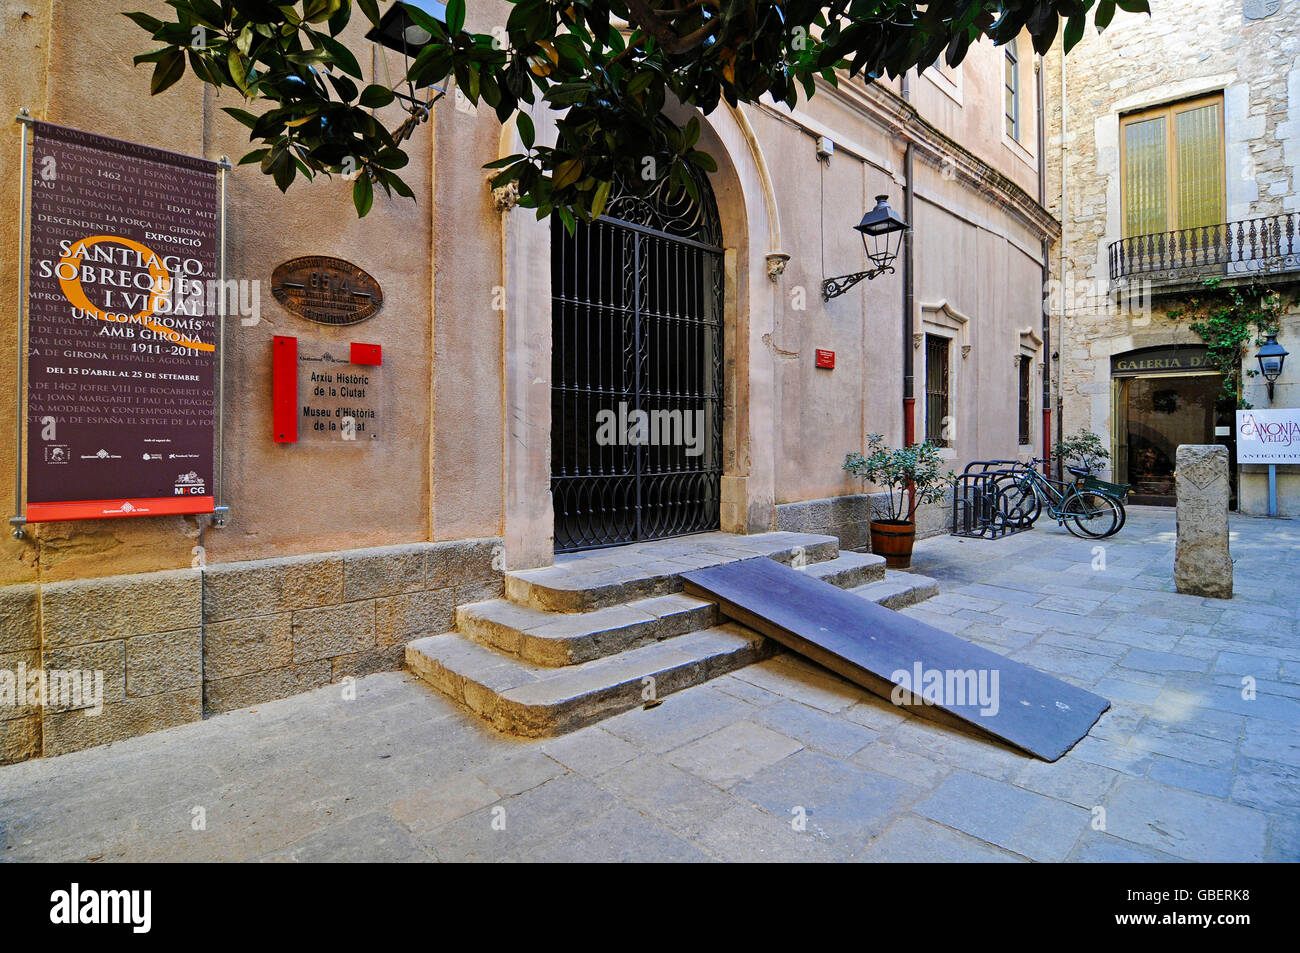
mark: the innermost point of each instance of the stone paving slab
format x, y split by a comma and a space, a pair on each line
777, 761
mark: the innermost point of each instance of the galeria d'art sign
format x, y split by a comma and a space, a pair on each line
122, 329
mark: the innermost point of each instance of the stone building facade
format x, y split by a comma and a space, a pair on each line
329, 562
1129, 367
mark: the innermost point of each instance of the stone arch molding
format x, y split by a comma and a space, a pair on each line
748, 207
738, 133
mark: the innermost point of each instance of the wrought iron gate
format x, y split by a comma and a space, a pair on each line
636, 393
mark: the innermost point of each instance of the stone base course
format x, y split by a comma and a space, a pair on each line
180, 645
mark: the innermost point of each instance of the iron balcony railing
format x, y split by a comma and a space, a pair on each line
1257, 246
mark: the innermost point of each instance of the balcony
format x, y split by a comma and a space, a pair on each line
1238, 252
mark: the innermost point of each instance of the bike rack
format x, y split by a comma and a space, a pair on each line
975, 498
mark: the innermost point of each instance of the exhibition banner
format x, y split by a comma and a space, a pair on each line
123, 302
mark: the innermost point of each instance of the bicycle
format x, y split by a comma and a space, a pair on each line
1087, 511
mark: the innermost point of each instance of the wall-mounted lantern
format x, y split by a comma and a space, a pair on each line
1271, 357
882, 238
398, 31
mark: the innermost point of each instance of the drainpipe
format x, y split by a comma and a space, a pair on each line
1047, 272
909, 291
1065, 205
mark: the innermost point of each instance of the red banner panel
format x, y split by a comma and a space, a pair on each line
122, 325
284, 389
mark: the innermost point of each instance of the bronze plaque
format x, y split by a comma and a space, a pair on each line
326, 290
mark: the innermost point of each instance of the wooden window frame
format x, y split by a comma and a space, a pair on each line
1170, 112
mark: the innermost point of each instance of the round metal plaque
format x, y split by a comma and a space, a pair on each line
326, 290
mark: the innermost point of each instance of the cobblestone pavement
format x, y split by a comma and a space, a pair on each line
1182, 766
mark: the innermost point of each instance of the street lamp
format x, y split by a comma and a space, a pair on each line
1271, 357
398, 31
882, 237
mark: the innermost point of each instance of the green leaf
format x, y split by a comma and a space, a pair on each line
150, 25
371, 9
692, 133
566, 173
363, 195
342, 56
243, 115
526, 131
318, 11
392, 158
208, 13
640, 82
1105, 13
600, 199
1074, 31
170, 68
455, 16
238, 71
376, 97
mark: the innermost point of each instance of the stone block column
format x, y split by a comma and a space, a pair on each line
1202, 562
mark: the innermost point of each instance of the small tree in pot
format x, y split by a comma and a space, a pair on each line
1084, 446
910, 476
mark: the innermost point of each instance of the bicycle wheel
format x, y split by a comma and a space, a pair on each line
1018, 504
1095, 514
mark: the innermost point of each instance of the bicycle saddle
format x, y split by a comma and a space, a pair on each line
1080, 471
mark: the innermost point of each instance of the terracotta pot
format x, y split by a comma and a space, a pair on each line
893, 539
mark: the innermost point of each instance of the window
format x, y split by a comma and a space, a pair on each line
1173, 167
1026, 378
1011, 80
936, 390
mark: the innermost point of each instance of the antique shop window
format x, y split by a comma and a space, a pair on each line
1172, 165
1011, 80
936, 390
1026, 377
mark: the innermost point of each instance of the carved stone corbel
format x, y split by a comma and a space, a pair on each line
776, 262
506, 197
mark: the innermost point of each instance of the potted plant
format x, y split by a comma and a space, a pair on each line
907, 473
1085, 447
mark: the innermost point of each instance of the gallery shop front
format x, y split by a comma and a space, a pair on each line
1163, 397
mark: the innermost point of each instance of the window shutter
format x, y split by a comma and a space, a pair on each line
1146, 177
1198, 133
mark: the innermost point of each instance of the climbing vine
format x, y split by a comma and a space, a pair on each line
1229, 320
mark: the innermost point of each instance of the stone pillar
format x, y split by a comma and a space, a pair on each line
1202, 563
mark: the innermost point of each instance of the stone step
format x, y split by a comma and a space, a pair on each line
523, 699
849, 570
899, 589
582, 582
570, 638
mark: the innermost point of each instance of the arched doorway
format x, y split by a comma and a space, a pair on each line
637, 355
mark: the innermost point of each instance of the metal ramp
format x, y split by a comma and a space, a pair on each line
881, 649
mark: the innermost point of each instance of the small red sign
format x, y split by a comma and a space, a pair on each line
284, 389
370, 355
826, 359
